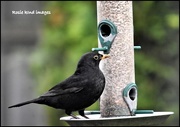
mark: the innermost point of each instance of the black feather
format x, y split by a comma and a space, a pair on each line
77, 92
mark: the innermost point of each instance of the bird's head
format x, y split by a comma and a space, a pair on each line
91, 59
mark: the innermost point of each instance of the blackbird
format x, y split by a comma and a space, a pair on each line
77, 92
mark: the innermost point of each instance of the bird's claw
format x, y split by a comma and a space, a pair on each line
74, 117
86, 117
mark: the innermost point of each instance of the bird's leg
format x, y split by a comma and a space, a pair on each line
75, 117
70, 114
81, 112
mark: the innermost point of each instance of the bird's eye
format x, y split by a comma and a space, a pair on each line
96, 57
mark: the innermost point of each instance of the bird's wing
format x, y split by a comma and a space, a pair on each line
70, 85
63, 91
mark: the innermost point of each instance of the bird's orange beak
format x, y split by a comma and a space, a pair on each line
105, 56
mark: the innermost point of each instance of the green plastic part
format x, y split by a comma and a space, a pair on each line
134, 112
137, 47
127, 88
143, 111
107, 31
92, 112
100, 49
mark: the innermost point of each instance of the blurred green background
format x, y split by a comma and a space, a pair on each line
71, 30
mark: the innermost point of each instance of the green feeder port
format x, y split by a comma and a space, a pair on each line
107, 32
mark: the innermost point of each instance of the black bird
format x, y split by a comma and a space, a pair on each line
77, 92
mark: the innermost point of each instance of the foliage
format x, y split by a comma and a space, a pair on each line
67, 33
71, 30
156, 29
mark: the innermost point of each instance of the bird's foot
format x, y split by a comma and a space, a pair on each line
75, 117
81, 112
85, 117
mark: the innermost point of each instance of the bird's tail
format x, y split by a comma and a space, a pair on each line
25, 103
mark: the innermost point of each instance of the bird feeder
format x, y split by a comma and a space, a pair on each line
118, 102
